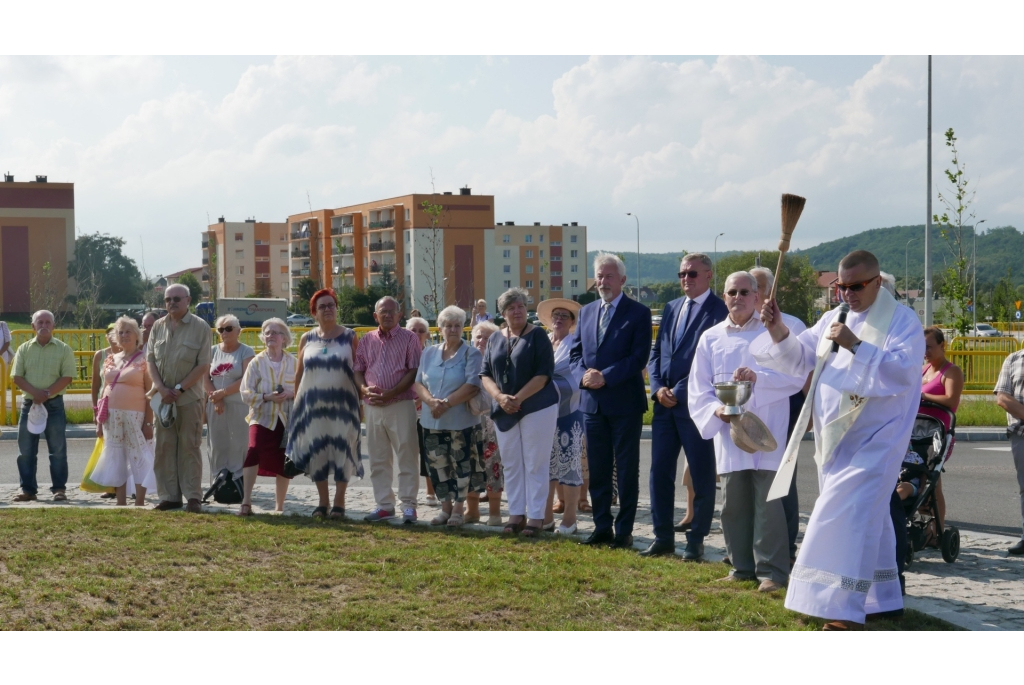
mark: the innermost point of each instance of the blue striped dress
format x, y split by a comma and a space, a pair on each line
324, 429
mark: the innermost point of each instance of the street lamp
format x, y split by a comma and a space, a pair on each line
974, 258
906, 271
638, 299
716, 259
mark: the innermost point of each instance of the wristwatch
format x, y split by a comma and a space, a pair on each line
854, 346
179, 388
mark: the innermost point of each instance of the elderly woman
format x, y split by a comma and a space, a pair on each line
324, 427
491, 455
448, 376
517, 374
569, 452
421, 328
480, 315
227, 435
98, 387
127, 428
268, 388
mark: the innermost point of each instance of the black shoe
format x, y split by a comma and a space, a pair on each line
659, 549
1018, 548
604, 537
622, 542
694, 551
682, 527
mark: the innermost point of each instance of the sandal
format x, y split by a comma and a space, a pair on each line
559, 507
514, 528
244, 510
584, 506
320, 512
843, 625
455, 521
531, 532
337, 513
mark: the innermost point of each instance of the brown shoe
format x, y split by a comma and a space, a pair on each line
25, 497
59, 496
167, 505
194, 507
769, 585
842, 625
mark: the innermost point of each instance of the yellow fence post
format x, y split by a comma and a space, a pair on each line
3, 392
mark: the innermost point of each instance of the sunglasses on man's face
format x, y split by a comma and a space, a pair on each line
855, 287
734, 292
176, 299
225, 329
689, 274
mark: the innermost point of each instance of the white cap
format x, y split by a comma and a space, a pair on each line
37, 416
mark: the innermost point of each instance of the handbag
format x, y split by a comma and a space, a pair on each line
103, 406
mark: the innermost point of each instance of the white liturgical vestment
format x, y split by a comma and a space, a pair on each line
846, 567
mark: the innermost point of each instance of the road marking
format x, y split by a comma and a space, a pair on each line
993, 449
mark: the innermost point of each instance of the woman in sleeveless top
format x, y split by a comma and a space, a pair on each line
942, 382
99, 384
324, 429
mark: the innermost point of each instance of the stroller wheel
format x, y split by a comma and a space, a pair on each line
950, 544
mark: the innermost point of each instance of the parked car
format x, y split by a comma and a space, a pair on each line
300, 320
984, 330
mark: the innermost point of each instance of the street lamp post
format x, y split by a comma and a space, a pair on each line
906, 271
716, 260
974, 287
638, 298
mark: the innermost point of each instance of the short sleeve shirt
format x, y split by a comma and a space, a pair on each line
1011, 382
176, 352
44, 365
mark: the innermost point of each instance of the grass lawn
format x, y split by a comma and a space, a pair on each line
85, 569
980, 413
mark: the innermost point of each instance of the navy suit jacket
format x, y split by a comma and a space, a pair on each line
670, 364
620, 358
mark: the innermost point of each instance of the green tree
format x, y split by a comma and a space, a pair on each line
433, 272
797, 284
100, 266
355, 306
304, 289
195, 288
956, 284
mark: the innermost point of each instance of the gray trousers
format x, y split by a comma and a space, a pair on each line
1017, 448
756, 536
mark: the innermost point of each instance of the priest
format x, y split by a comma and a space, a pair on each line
864, 396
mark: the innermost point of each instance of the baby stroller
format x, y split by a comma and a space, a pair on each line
931, 445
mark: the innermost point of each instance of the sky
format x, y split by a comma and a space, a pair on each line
158, 147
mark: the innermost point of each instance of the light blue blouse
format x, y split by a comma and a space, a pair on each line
443, 377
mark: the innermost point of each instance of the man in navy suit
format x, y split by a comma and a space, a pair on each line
682, 323
612, 344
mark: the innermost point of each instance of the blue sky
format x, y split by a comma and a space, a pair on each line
692, 145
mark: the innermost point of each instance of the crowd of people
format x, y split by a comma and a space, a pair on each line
532, 412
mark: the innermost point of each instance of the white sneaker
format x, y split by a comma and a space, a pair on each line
562, 530
408, 515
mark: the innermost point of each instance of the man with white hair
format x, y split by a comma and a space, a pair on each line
754, 528
43, 369
611, 346
178, 355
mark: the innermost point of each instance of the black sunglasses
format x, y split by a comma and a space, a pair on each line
855, 287
225, 329
690, 274
741, 293
176, 299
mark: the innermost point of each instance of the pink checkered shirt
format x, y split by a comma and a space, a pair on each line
383, 358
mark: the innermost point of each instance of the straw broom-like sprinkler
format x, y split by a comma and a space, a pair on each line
792, 207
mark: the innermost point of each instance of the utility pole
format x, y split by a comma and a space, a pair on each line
928, 218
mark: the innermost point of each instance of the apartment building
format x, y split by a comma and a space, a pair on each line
546, 260
37, 226
247, 257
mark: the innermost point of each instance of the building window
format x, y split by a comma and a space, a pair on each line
241, 271
284, 269
507, 269
556, 288
239, 254
408, 258
529, 254
540, 238
506, 254
284, 287
284, 237
529, 239
284, 254
574, 268
506, 238
542, 268
574, 283
572, 239
529, 284
263, 259
407, 214
508, 284
542, 285
542, 254
573, 254
529, 268
238, 237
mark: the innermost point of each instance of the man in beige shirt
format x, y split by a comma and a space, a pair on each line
178, 354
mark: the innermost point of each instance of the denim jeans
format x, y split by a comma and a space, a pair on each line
56, 442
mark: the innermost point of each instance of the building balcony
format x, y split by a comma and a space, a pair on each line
206, 243
341, 230
300, 253
556, 273
300, 272
206, 277
390, 223
556, 243
382, 246
556, 258
345, 249
206, 261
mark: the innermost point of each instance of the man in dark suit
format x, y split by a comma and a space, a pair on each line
611, 344
682, 323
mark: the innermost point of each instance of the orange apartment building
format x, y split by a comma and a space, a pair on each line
547, 261
37, 225
249, 257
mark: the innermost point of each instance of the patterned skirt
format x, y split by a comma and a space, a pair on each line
127, 455
569, 452
491, 458
453, 459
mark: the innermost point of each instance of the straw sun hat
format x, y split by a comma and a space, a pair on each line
545, 308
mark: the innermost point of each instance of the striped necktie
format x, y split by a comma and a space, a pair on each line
602, 326
684, 320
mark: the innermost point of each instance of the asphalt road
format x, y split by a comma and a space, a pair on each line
980, 483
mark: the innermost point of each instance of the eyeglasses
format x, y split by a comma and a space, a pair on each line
326, 307
561, 317
225, 329
855, 287
689, 274
734, 292
176, 299
268, 334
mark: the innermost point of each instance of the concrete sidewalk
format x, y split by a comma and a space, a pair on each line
982, 590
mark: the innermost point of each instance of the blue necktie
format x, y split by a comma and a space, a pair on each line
602, 326
684, 319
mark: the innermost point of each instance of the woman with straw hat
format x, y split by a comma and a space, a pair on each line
569, 452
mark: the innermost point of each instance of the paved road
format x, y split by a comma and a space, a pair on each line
980, 485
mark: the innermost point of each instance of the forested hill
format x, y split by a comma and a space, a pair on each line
999, 249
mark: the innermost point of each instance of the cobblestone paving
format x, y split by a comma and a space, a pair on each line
982, 590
